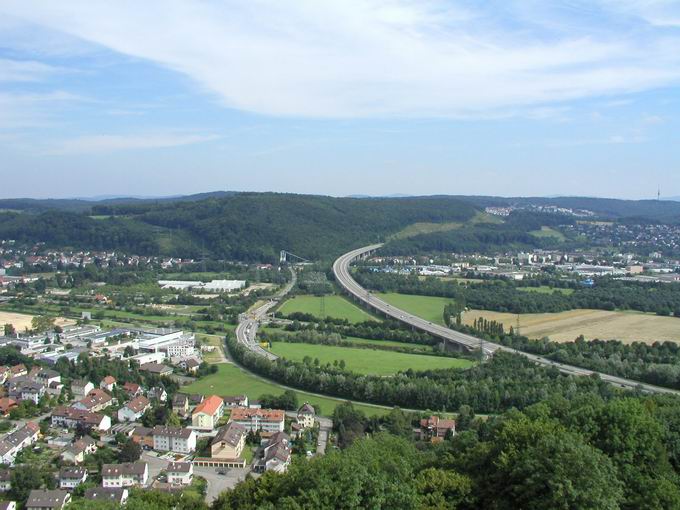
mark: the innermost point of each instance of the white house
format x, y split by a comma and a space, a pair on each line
72, 477
125, 475
134, 410
180, 473
174, 439
81, 388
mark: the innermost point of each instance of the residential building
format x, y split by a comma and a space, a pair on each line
174, 439
435, 428
158, 393
134, 410
191, 365
13, 443
6, 405
42, 499
132, 389
208, 413
8, 505
70, 417
32, 391
229, 442
81, 388
126, 474
267, 421
108, 383
95, 401
71, 477
46, 376
116, 495
143, 436
75, 454
236, 401
180, 404
277, 453
156, 368
180, 473
17, 371
306, 415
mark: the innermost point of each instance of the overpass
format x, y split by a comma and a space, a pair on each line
463, 341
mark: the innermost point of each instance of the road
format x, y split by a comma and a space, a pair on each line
364, 296
249, 322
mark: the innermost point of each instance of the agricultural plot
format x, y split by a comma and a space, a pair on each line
428, 307
592, 324
336, 307
21, 321
366, 361
231, 380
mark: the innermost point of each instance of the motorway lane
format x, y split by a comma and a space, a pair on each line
345, 279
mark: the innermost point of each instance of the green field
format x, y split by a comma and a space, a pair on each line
336, 307
427, 307
549, 232
366, 361
429, 227
231, 380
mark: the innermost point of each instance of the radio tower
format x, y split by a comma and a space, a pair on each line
658, 192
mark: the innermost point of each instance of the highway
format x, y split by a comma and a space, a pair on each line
367, 299
249, 322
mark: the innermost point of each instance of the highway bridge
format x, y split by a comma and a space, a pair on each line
366, 298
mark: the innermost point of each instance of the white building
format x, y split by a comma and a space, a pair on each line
125, 475
180, 473
72, 477
134, 410
173, 439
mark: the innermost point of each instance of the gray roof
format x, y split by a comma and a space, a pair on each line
72, 473
160, 430
105, 494
179, 467
231, 434
40, 498
126, 468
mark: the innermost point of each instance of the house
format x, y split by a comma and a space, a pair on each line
132, 389
236, 401
17, 371
156, 369
46, 376
125, 474
69, 417
95, 401
42, 499
5, 480
81, 388
208, 413
71, 477
134, 410
116, 495
267, 421
180, 404
108, 383
142, 436
75, 454
277, 453
13, 443
229, 442
158, 393
191, 365
8, 505
55, 388
174, 439
180, 473
195, 399
306, 415
4, 373
435, 428
6, 405
32, 391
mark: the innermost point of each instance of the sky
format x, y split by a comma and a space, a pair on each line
340, 97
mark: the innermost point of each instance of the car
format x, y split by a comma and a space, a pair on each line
222, 472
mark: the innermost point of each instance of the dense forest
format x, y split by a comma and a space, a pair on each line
507, 296
245, 226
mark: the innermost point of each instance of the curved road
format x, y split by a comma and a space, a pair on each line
249, 322
364, 296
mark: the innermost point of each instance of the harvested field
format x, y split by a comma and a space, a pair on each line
21, 321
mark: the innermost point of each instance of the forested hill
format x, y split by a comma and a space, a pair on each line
244, 226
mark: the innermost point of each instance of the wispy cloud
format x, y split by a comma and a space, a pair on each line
97, 144
364, 58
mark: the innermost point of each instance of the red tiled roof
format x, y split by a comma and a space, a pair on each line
210, 405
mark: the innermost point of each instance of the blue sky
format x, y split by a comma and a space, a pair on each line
340, 97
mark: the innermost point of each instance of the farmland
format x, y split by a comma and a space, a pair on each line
428, 307
336, 307
592, 324
366, 361
231, 380
21, 321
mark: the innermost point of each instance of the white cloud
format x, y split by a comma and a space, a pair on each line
362, 58
96, 144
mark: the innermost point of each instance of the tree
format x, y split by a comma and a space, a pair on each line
130, 451
24, 479
9, 330
443, 489
41, 323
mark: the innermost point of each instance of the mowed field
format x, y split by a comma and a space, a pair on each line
231, 380
21, 321
336, 307
366, 361
429, 308
592, 324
